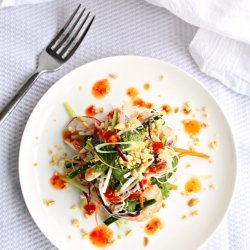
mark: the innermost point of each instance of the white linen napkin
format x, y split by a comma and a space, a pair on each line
221, 47
5, 3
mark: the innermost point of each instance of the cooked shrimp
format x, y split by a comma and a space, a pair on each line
151, 192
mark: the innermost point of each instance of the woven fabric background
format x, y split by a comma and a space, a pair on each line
121, 27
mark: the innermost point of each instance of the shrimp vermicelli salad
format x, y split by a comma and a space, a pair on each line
126, 162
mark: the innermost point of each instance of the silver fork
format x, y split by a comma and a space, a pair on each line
56, 54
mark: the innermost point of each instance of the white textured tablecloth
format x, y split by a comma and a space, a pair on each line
121, 27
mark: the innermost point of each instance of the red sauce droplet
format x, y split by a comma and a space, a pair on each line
157, 168
57, 182
101, 236
132, 92
167, 108
157, 146
192, 127
146, 86
101, 88
90, 208
140, 102
134, 196
153, 226
110, 136
77, 141
193, 185
90, 111
110, 195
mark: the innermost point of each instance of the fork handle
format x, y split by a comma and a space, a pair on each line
18, 97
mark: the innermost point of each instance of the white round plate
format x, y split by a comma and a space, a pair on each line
49, 119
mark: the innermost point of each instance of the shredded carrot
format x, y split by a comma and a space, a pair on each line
141, 200
190, 152
96, 212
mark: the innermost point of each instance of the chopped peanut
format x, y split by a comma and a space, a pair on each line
194, 213
129, 233
146, 240
113, 75
76, 223
187, 108
212, 186
192, 202
49, 203
184, 217
214, 144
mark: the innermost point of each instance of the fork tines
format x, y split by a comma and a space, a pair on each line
63, 46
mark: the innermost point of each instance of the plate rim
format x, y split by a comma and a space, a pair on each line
55, 84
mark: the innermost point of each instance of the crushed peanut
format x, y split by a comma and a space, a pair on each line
35, 164
193, 202
37, 137
176, 110
161, 77
119, 236
188, 165
113, 75
87, 216
174, 187
85, 125
129, 233
48, 203
187, 108
146, 240
50, 151
211, 161
76, 223
80, 88
69, 237
212, 186
194, 213
184, 217
163, 205
86, 236
54, 120
113, 242
214, 144
54, 160
118, 223
73, 207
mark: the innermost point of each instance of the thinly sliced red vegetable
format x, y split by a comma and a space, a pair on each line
121, 154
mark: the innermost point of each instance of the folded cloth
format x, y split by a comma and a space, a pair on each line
5, 3
221, 47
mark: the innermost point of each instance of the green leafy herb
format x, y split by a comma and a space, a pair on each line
164, 187
115, 119
100, 168
80, 170
119, 173
175, 161
131, 205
